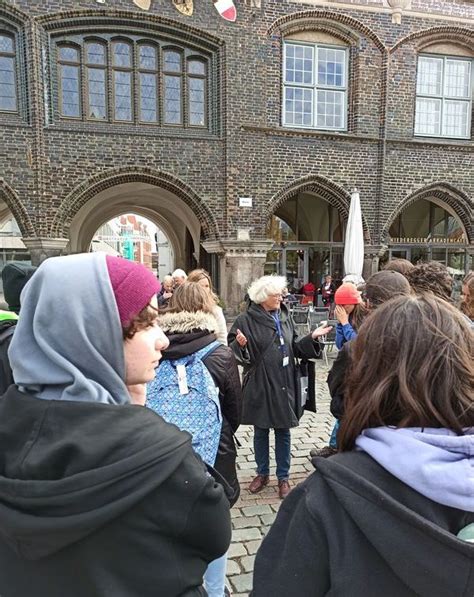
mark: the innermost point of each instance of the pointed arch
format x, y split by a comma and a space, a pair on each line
17, 208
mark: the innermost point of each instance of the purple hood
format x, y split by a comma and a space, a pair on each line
434, 462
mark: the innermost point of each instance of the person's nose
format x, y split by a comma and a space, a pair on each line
162, 341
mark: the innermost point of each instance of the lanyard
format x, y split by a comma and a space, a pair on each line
283, 348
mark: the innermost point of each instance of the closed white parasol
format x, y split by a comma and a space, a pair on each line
354, 242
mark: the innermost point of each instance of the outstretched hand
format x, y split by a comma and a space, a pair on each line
318, 332
241, 339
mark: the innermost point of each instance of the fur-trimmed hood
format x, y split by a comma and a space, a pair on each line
187, 321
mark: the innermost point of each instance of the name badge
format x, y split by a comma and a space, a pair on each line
182, 379
286, 361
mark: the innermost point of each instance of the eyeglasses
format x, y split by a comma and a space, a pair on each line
279, 295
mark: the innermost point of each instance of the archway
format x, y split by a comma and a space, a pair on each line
428, 227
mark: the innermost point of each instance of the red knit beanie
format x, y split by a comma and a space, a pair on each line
133, 284
347, 294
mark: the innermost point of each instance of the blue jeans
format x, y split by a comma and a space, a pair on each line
214, 577
261, 446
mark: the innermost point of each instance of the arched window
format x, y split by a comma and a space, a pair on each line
122, 68
96, 75
173, 83
8, 95
69, 67
148, 82
197, 85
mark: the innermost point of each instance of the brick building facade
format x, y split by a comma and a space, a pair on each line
243, 140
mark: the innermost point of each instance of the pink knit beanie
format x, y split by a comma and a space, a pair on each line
133, 284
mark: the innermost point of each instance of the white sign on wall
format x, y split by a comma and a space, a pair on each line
245, 201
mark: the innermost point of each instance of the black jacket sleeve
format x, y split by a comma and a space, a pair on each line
336, 380
241, 354
223, 368
293, 558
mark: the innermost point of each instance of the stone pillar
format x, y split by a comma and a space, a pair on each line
372, 256
241, 262
42, 248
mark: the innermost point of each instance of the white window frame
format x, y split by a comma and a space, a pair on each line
315, 87
443, 97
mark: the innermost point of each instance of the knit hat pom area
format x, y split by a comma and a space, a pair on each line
133, 284
347, 294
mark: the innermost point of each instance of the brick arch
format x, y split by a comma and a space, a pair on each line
444, 33
331, 192
62, 22
12, 15
116, 176
457, 200
338, 24
15, 205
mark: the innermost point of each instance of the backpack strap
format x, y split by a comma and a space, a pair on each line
207, 350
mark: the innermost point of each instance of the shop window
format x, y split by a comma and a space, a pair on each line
315, 86
443, 96
8, 91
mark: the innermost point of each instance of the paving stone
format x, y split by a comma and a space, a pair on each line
245, 521
242, 583
268, 519
256, 510
233, 567
242, 535
247, 563
252, 546
235, 513
236, 550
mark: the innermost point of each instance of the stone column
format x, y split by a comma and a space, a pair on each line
241, 262
41, 248
372, 255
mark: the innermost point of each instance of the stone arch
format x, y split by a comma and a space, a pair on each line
15, 205
455, 200
138, 174
335, 23
445, 33
331, 192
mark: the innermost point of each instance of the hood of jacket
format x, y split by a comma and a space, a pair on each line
68, 468
435, 462
415, 537
187, 332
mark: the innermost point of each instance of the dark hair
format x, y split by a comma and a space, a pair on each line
385, 285
467, 305
431, 276
402, 266
412, 365
145, 319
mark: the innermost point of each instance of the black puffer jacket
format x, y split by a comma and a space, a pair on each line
188, 333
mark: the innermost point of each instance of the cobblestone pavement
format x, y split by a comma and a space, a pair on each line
252, 515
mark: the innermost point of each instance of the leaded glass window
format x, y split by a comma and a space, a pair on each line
8, 93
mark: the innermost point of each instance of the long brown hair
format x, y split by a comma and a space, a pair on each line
412, 365
200, 274
467, 305
190, 297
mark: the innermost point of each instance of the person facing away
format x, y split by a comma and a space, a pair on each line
14, 277
200, 276
265, 343
204, 397
393, 512
98, 495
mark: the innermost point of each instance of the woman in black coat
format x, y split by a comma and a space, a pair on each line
265, 343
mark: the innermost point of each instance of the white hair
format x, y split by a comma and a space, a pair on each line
262, 288
179, 273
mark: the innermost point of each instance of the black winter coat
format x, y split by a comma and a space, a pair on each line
6, 334
185, 338
271, 392
100, 500
354, 530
